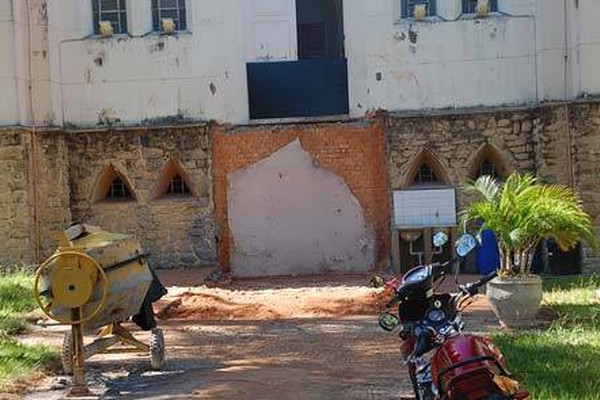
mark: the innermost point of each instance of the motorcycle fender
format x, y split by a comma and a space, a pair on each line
466, 364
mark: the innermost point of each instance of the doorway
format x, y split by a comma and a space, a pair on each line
320, 26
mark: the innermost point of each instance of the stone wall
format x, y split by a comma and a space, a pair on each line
15, 213
553, 145
584, 121
567, 148
50, 178
52, 188
559, 143
176, 231
455, 142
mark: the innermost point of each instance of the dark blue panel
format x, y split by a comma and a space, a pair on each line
488, 256
304, 88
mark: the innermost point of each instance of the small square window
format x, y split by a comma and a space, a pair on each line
408, 7
174, 9
110, 10
470, 6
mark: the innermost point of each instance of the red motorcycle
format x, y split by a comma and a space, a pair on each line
443, 362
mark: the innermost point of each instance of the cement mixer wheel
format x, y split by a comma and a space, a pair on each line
157, 349
66, 354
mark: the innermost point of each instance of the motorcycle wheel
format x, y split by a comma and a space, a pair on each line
426, 394
421, 393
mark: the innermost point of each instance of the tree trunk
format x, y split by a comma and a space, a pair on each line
505, 259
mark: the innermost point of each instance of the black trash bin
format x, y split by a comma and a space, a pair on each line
564, 262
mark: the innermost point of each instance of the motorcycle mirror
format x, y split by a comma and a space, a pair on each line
377, 281
440, 239
388, 321
465, 244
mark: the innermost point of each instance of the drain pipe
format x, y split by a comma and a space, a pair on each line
570, 163
33, 164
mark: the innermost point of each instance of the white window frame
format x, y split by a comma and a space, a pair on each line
121, 11
407, 7
182, 6
464, 6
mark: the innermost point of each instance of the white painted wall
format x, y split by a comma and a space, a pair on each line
9, 110
199, 74
586, 45
513, 57
458, 61
271, 33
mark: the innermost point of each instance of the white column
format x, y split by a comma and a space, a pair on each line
139, 17
21, 57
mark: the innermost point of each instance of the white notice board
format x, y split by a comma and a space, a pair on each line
435, 208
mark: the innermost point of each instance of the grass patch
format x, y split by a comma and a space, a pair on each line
16, 300
18, 361
563, 361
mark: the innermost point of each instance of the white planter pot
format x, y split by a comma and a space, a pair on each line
516, 301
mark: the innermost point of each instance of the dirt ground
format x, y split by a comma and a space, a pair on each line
287, 338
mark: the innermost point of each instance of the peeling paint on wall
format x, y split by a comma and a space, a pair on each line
288, 216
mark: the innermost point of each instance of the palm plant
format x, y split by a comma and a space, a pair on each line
522, 212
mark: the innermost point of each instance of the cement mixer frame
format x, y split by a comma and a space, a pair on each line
79, 287
110, 336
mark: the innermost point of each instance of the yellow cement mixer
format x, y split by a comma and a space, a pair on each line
94, 282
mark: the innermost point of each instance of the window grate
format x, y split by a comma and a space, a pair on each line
118, 190
174, 9
110, 10
489, 168
470, 6
178, 187
425, 175
408, 7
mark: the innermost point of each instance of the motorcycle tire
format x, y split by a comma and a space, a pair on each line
426, 394
421, 393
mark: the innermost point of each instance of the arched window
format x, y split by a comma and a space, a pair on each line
173, 181
488, 161
425, 169
118, 190
425, 175
112, 185
487, 167
177, 187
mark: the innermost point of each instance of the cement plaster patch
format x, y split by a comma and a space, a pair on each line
289, 216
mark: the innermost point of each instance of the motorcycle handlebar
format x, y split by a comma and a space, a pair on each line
471, 289
445, 268
398, 297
